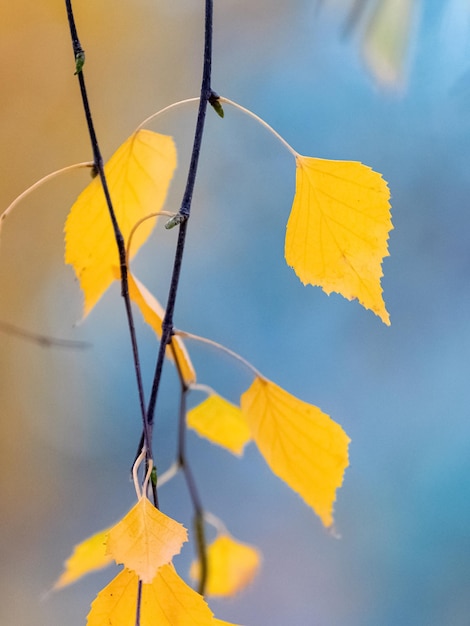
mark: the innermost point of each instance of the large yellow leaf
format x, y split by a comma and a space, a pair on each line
338, 229
231, 564
87, 556
138, 176
145, 539
166, 601
153, 314
221, 422
301, 445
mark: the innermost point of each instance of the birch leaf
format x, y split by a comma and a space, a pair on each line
221, 422
338, 229
153, 314
301, 444
138, 176
87, 556
232, 565
166, 601
145, 539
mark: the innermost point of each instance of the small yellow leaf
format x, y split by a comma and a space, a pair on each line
145, 539
87, 556
221, 422
338, 229
232, 565
138, 176
153, 314
387, 40
301, 445
166, 601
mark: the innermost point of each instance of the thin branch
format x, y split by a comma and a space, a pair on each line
168, 474
139, 603
219, 346
135, 473
136, 226
198, 522
204, 388
165, 110
43, 340
262, 122
38, 184
79, 55
184, 212
216, 523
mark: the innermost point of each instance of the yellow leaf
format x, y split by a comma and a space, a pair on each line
138, 175
338, 229
232, 566
153, 314
387, 40
145, 539
87, 556
166, 601
301, 445
221, 422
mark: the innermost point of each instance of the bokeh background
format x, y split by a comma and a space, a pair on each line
69, 420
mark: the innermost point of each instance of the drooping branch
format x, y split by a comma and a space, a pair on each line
185, 209
79, 55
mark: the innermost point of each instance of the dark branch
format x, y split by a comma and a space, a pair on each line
79, 55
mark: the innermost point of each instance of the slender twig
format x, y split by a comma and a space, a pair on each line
99, 167
168, 474
164, 110
199, 515
136, 226
219, 346
184, 212
262, 122
210, 391
38, 184
42, 340
135, 474
139, 603
216, 522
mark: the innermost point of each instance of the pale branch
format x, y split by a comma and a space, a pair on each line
222, 348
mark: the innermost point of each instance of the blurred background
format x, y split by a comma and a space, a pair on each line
384, 82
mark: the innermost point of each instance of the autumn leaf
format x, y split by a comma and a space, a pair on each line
221, 422
153, 314
232, 565
166, 601
138, 176
338, 229
301, 444
145, 539
87, 556
387, 40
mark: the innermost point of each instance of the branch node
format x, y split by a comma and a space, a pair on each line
167, 330
79, 60
214, 101
177, 219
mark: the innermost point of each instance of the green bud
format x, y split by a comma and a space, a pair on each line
79, 61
